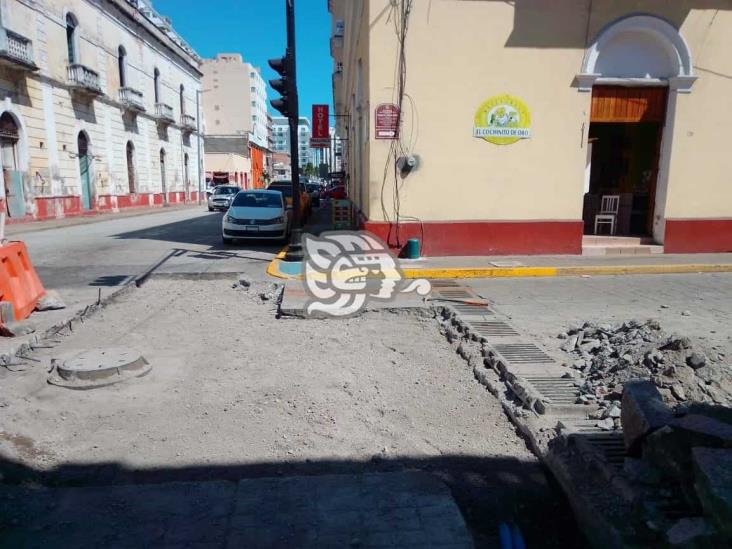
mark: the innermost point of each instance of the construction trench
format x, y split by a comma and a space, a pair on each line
417, 406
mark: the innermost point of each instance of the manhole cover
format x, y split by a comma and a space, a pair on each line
98, 368
523, 353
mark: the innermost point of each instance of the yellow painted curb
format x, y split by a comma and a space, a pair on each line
273, 269
527, 272
480, 272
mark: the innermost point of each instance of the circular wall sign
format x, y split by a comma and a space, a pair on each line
503, 120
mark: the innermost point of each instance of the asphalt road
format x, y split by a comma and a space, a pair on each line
80, 260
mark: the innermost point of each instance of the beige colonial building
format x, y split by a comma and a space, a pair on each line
532, 127
97, 108
235, 98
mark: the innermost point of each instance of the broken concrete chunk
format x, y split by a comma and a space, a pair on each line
689, 533
51, 301
15, 329
696, 360
713, 476
642, 412
669, 448
606, 424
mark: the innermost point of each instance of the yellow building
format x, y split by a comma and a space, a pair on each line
530, 127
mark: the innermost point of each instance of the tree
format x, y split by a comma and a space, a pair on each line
309, 170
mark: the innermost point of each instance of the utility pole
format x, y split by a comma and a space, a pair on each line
198, 143
287, 105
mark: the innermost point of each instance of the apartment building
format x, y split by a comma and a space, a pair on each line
235, 98
97, 108
281, 135
537, 127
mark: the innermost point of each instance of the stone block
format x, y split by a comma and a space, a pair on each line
669, 448
713, 483
642, 412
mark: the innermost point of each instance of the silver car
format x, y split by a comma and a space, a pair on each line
221, 197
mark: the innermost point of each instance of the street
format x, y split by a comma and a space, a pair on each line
237, 393
80, 260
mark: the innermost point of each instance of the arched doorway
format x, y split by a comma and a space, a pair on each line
12, 175
82, 144
131, 167
634, 69
162, 176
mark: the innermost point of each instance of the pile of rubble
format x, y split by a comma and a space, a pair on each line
687, 453
606, 357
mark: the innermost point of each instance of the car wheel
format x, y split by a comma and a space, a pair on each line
210, 209
227, 241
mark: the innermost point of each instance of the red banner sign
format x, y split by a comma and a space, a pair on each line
387, 121
320, 123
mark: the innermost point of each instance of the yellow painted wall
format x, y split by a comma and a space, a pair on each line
461, 53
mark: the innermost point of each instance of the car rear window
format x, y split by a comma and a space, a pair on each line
226, 190
285, 189
258, 200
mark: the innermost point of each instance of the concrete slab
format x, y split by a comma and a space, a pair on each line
371, 510
384, 510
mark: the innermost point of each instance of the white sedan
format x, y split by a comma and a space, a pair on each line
257, 214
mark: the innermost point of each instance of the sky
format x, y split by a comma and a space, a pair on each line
256, 29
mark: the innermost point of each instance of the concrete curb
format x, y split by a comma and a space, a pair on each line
528, 272
273, 269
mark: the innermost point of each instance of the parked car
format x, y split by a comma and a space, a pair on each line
285, 187
221, 197
335, 193
256, 214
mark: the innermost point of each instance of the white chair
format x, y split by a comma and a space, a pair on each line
608, 212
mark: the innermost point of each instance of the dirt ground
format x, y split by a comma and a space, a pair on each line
234, 391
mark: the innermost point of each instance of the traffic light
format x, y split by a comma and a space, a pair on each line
282, 85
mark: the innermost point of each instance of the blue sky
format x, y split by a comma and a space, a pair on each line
256, 29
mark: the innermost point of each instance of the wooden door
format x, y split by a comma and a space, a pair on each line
629, 105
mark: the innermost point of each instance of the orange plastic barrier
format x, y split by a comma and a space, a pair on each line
19, 282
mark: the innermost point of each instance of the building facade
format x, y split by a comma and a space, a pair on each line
235, 98
556, 122
97, 108
281, 137
228, 161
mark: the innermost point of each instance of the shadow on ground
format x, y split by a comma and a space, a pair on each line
488, 491
204, 231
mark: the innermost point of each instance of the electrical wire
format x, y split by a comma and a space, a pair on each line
399, 15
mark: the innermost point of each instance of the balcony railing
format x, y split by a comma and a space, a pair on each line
131, 99
188, 122
164, 113
16, 50
336, 45
84, 79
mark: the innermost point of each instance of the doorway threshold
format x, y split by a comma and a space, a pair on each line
596, 245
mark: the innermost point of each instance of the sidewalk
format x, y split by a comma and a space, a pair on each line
532, 265
386, 510
91, 217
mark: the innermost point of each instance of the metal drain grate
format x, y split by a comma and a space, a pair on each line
611, 444
557, 390
444, 284
454, 293
470, 309
492, 328
523, 353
